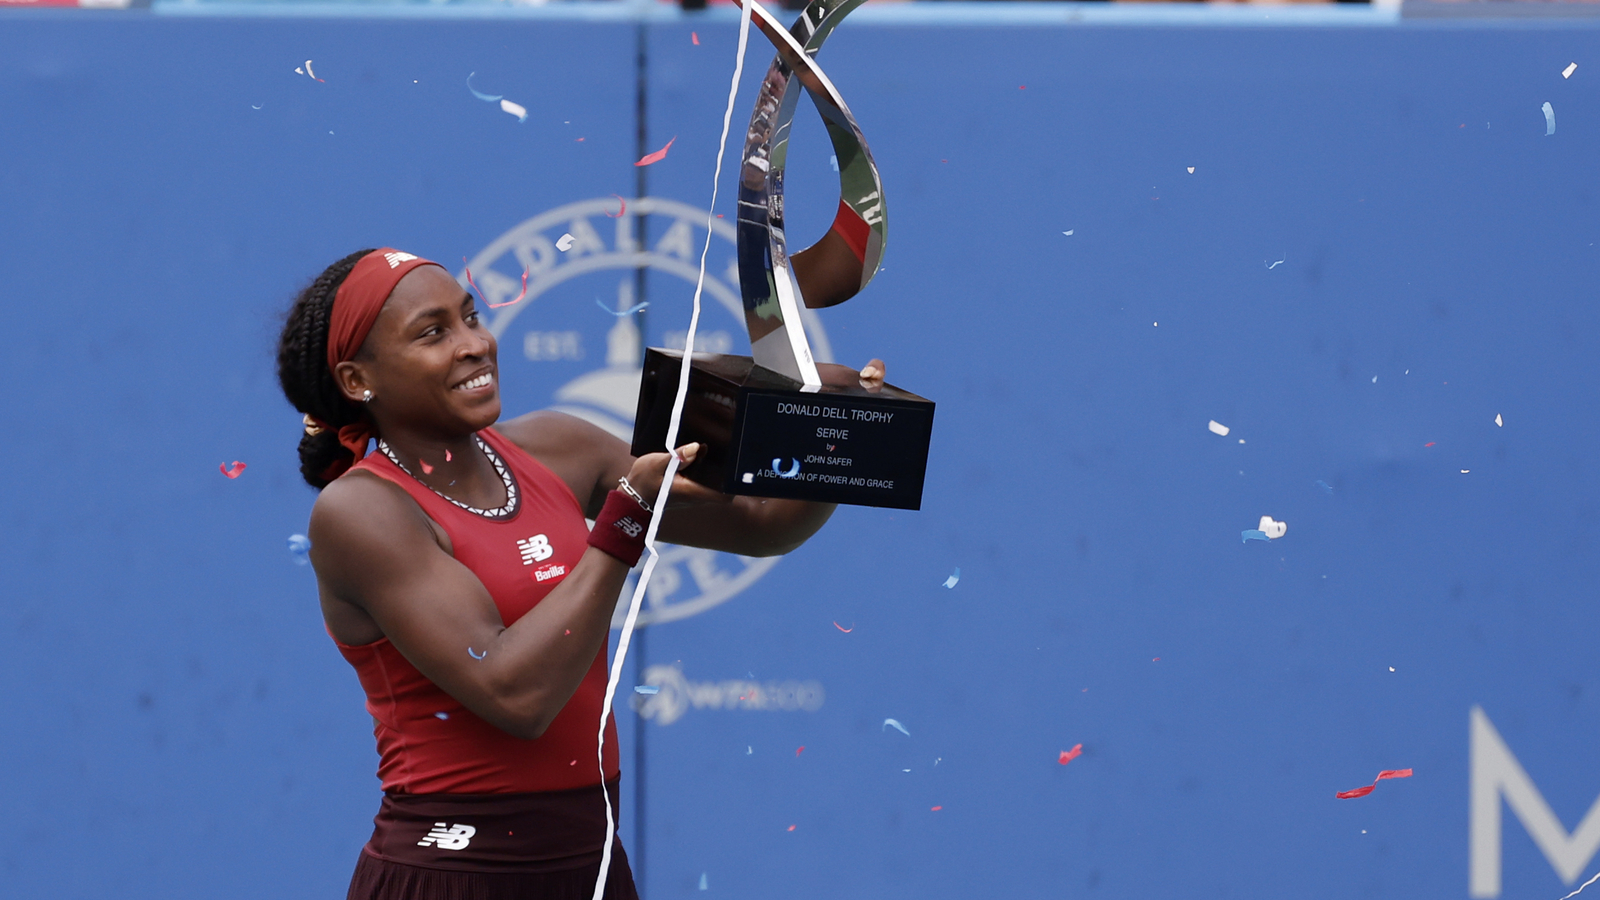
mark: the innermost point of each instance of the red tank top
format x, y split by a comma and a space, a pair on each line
427, 742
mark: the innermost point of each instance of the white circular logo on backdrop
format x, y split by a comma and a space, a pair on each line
571, 344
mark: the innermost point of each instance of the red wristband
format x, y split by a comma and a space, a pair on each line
620, 528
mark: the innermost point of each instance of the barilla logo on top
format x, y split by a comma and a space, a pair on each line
448, 837
398, 257
548, 571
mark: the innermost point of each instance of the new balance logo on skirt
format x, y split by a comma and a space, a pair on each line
397, 257
448, 837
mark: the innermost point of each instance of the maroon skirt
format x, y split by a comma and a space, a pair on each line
541, 846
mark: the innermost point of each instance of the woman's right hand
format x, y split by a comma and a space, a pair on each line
649, 469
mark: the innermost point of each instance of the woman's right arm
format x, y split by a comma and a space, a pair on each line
372, 547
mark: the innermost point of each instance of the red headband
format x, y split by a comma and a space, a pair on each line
361, 298
355, 308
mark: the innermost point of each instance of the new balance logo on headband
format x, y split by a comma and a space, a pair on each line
398, 257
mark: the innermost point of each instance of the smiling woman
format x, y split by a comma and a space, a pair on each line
458, 577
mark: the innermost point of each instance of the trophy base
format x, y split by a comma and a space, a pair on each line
766, 435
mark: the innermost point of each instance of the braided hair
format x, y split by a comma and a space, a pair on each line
303, 372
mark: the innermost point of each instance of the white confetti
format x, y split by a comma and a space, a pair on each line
516, 109
1465, 471
1191, 170
1391, 668
1272, 529
1276, 264
1498, 421
1218, 428
1069, 232
953, 579
1567, 73
565, 242
1549, 119
895, 724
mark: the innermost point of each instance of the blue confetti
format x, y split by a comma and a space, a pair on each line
895, 724
954, 579
834, 161
1549, 120
1326, 487
794, 470
646, 689
441, 715
300, 548
487, 98
476, 655
702, 881
627, 312
1253, 534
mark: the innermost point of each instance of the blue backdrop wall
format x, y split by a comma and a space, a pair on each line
1356, 248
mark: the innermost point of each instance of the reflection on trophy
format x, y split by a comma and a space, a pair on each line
775, 423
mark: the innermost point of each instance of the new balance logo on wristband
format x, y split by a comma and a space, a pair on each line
535, 549
448, 837
629, 526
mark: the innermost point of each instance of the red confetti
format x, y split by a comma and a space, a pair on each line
1430, 443
937, 808
620, 211
1157, 659
1022, 87
791, 827
573, 763
238, 467
694, 36
1070, 755
801, 750
657, 156
1363, 791
485, 299
447, 456
844, 629
426, 469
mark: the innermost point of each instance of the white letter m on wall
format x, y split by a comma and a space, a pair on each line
1495, 774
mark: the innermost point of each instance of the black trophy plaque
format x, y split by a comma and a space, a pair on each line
775, 423
765, 435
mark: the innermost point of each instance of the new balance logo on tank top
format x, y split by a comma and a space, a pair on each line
520, 552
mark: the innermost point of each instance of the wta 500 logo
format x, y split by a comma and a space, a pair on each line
624, 279
673, 695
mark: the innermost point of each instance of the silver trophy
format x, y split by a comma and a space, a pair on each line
775, 424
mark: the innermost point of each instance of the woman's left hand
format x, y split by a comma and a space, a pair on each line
872, 375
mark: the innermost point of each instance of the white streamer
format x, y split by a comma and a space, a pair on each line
1582, 886
672, 465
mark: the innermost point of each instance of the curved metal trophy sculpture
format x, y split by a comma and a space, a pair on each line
775, 424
